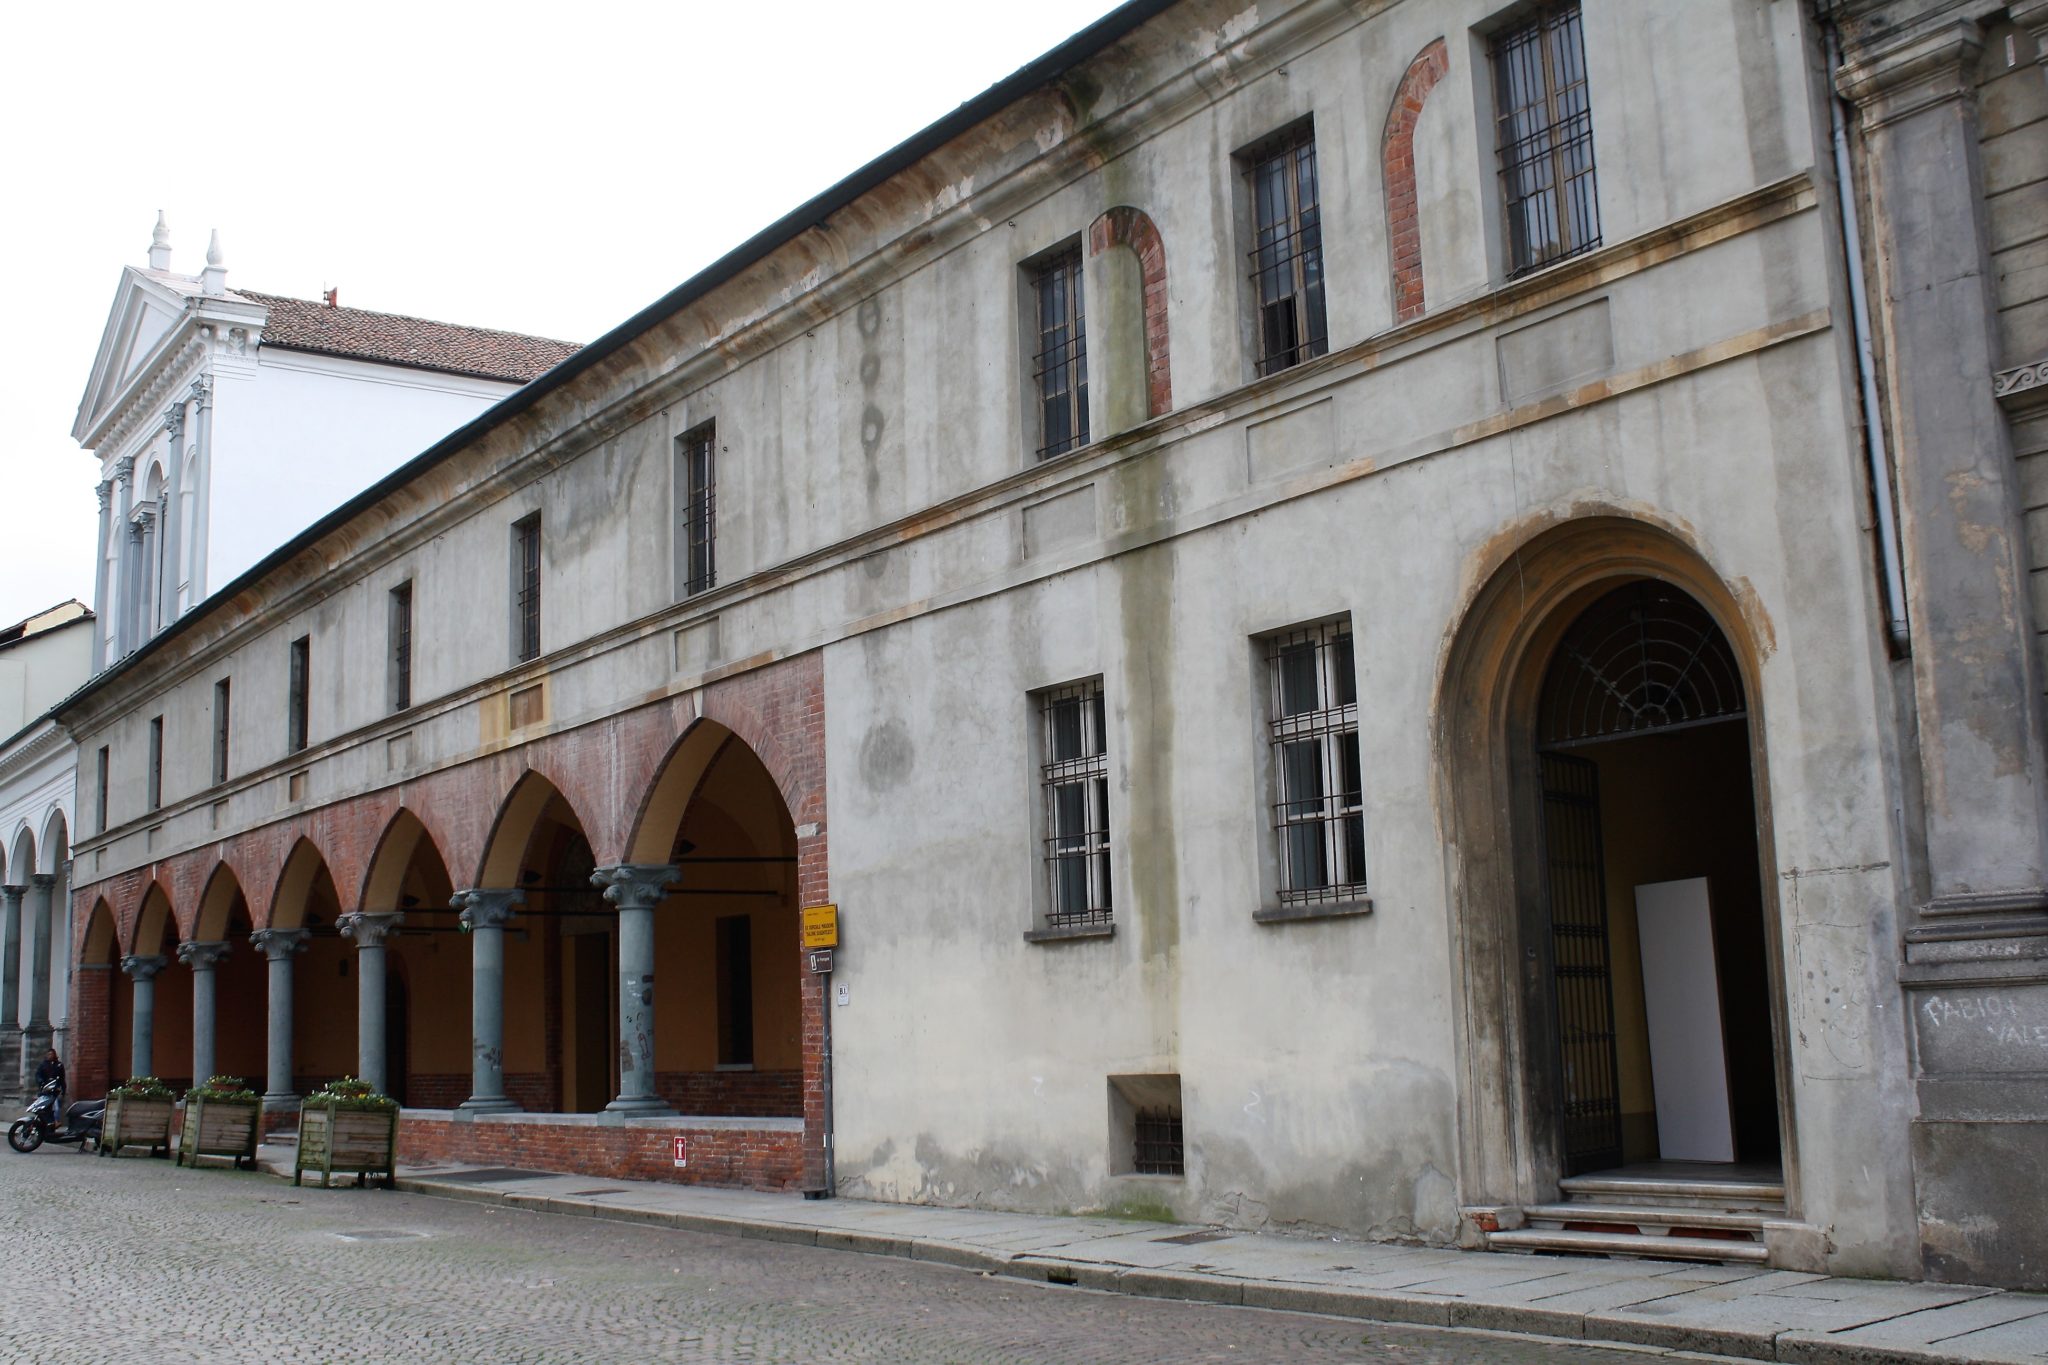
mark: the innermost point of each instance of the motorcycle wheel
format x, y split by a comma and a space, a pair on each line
25, 1136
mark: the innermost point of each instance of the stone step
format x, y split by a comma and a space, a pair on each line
1628, 1244
1612, 1188
1749, 1221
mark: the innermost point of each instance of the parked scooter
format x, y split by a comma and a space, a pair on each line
80, 1124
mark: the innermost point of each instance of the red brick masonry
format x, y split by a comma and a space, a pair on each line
747, 1158
1126, 226
1397, 169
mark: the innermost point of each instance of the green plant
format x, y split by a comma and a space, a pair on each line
350, 1093
142, 1088
224, 1089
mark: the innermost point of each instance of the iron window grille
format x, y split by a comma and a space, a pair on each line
1061, 366
220, 731
401, 646
298, 703
1287, 262
156, 762
1544, 128
1157, 1143
526, 603
700, 500
100, 766
1320, 814
1075, 780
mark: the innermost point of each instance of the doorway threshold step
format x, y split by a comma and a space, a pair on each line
1615, 1188
1654, 1246
1750, 1221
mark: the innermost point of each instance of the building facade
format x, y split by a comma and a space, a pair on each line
1405, 619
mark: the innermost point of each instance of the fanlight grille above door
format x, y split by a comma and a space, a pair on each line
1644, 657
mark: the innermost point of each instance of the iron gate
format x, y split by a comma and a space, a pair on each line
1589, 1086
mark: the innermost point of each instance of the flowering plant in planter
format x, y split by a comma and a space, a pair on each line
222, 1118
346, 1126
138, 1115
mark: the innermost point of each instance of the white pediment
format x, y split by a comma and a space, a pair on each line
141, 331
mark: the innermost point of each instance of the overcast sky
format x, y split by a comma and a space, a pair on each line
545, 168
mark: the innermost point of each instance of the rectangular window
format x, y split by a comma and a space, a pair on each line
697, 469
526, 589
1075, 780
1061, 365
155, 792
1320, 810
734, 948
1287, 263
298, 702
1544, 123
401, 646
100, 767
220, 732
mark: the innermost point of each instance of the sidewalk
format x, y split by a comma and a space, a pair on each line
1745, 1312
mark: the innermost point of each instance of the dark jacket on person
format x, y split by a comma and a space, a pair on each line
50, 1071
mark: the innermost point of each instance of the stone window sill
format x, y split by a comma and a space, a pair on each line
1064, 933
1313, 910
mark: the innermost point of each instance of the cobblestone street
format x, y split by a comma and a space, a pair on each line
138, 1260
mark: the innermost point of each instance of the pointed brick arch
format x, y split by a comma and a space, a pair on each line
1129, 227
519, 815
1397, 172
216, 904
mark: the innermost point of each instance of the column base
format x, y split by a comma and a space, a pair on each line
640, 1107
272, 1103
473, 1106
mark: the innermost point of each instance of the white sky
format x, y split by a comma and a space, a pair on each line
545, 168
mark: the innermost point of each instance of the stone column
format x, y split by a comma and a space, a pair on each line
99, 582
636, 889
202, 479
484, 915
367, 932
277, 947
35, 1035
10, 956
1975, 677
124, 567
171, 526
202, 958
142, 1036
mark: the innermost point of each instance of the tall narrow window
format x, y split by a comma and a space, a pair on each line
734, 946
526, 589
220, 731
1320, 813
1061, 366
1545, 133
697, 464
298, 702
155, 790
100, 767
1287, 263
1075, 780
401, 646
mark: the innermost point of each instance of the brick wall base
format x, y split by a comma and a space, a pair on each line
738, 1158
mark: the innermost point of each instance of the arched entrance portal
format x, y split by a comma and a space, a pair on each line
1655, 952
1601, 756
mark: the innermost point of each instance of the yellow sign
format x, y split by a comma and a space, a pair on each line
821, 926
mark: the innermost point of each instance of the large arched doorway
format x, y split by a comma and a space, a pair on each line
1657, 978
1600, 739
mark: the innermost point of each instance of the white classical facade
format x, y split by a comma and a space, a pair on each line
226, 420
42, 660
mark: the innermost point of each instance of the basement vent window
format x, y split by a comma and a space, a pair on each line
1145, 1133
1159, 1143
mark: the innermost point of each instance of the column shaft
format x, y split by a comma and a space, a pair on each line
277, 947
39, 919
10, 956
484, 914
636, 890
368, 931
142, 1035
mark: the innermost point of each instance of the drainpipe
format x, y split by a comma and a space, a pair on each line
1866, 363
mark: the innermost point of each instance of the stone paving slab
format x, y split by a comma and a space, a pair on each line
1667, 1308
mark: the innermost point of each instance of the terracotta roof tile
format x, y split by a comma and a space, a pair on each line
394, 339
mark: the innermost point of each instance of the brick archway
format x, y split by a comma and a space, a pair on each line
1397, 173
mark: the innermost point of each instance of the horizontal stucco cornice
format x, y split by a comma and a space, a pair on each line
30, 746
1300, 385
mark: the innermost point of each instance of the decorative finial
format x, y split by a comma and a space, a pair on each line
160, 244
214, 279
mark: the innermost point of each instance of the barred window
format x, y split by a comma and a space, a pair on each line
1545, 133
697, 463
221, 691
1075, 779
299, 701
155, 791
101, 766
401, 646
1320, 813
526, 589
1287, 263
1061, 366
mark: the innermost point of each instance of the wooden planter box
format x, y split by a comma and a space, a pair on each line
136, 1123
359, 1142
220, 1128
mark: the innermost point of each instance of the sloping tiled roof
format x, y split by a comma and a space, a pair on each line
394, 339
